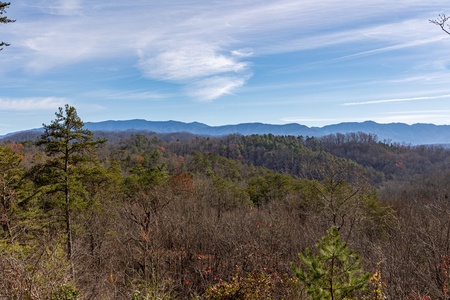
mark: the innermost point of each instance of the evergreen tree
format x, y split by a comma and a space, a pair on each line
4, 19
334, 272
70, 151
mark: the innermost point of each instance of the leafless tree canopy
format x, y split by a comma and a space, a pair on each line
441, 22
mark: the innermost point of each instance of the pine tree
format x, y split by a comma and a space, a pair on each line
333, 272
70, 150
4, 19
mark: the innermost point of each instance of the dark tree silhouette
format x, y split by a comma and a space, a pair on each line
4, 19
441, 21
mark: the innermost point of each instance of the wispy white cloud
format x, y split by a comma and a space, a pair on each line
188, 62
419, 112
389, 48
65, 7
207, 71
397, 100
381, 101
212, 88
31, 104
418, 78
190, 42
125, 95
245, 52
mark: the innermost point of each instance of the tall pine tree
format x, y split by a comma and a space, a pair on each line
70, 150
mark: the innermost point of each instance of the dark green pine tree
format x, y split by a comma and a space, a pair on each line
71, 154
4, 19
333, 272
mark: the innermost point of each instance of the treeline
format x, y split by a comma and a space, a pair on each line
147, 216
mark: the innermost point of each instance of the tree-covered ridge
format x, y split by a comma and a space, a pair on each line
395, 161
302, 157
178, 216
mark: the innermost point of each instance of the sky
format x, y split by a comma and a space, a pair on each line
224, 62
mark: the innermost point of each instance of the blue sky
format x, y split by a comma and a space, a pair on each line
225, 62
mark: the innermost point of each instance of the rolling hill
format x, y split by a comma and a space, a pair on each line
415, 134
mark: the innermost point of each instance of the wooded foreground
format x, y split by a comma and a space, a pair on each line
148, 216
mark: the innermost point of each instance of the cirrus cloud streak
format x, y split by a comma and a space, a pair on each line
397, 100
31, 104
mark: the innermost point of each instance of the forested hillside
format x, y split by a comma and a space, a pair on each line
178, 216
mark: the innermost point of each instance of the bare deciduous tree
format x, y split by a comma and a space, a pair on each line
441, 21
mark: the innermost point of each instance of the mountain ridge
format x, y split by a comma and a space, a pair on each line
415, 134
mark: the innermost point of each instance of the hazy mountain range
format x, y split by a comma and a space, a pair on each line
394, 132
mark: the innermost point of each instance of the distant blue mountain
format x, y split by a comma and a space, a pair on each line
394, 132
197, 128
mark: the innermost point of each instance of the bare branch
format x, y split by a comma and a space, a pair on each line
440, 21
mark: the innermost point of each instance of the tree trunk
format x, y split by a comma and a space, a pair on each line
67, 215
